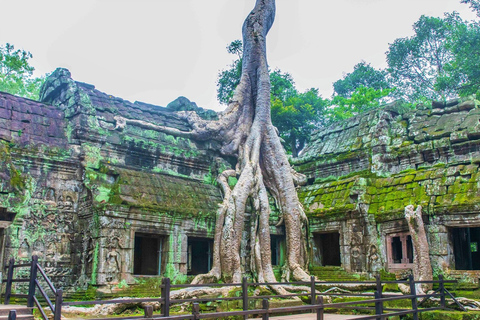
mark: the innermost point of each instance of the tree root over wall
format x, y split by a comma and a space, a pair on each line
245, 131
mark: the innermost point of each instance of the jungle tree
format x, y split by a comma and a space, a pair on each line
16, 73
416, 63
295, 114
245, 132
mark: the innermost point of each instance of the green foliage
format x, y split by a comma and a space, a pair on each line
235, 47
16, 73
296, 116
463, 70
450, 315
89, 294
474, 5
229, 79
362, 100
417, 63
363, 75
282, 86
440, 61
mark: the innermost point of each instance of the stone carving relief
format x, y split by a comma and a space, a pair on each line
113, 260
24, 250
50, 195
356, 259
373, 258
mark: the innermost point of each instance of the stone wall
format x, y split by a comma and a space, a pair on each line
82, 189
365, 170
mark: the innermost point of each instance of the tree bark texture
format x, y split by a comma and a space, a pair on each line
263, 169
422, 268
245, 132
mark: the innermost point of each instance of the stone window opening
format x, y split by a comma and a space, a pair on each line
328, 248
465, 243
147, 257
400, 251
199, 255
277, 249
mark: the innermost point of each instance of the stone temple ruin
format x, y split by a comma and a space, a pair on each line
102, 205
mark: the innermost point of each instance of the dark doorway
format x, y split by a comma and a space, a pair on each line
465, 248
200, 256
328, 248
147, 257
397, 254
277, 249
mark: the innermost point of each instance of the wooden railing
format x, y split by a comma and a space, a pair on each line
317, 305
33, 285
375, 302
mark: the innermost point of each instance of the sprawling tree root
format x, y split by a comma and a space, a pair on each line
422, 268
245, 132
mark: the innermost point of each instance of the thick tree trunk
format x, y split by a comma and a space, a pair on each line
263, 170
245, 132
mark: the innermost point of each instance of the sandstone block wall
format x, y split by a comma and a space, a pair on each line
364, 171
81, 189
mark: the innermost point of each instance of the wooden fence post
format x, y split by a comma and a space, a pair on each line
244, 295
148, 311
8, 288
196, 311
265, 306
312, 290
413, 292
320, 309
12, 315
33, 278
379, 305
58, 305
378, 281
166, 296
442, 291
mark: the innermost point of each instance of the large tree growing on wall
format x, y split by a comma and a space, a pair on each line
245, 131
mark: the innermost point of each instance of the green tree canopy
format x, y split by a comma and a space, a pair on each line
363, 99
474, 4
297, 116
363, 75
16, 73
417, 63
228, 79
463, 70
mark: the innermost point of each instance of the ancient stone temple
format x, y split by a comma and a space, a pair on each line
99, 205
102, 202
364, 172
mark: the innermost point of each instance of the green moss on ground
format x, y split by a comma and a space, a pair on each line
449, 315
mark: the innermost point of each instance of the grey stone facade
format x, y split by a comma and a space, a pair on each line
82, 191
364, 171
89, 197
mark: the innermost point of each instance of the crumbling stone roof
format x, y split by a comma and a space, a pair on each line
133, 167
381, 161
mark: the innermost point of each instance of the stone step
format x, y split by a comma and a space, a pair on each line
21, 310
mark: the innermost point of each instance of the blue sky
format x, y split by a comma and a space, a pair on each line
156, 50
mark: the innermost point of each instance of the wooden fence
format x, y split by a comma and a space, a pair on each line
374, 303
